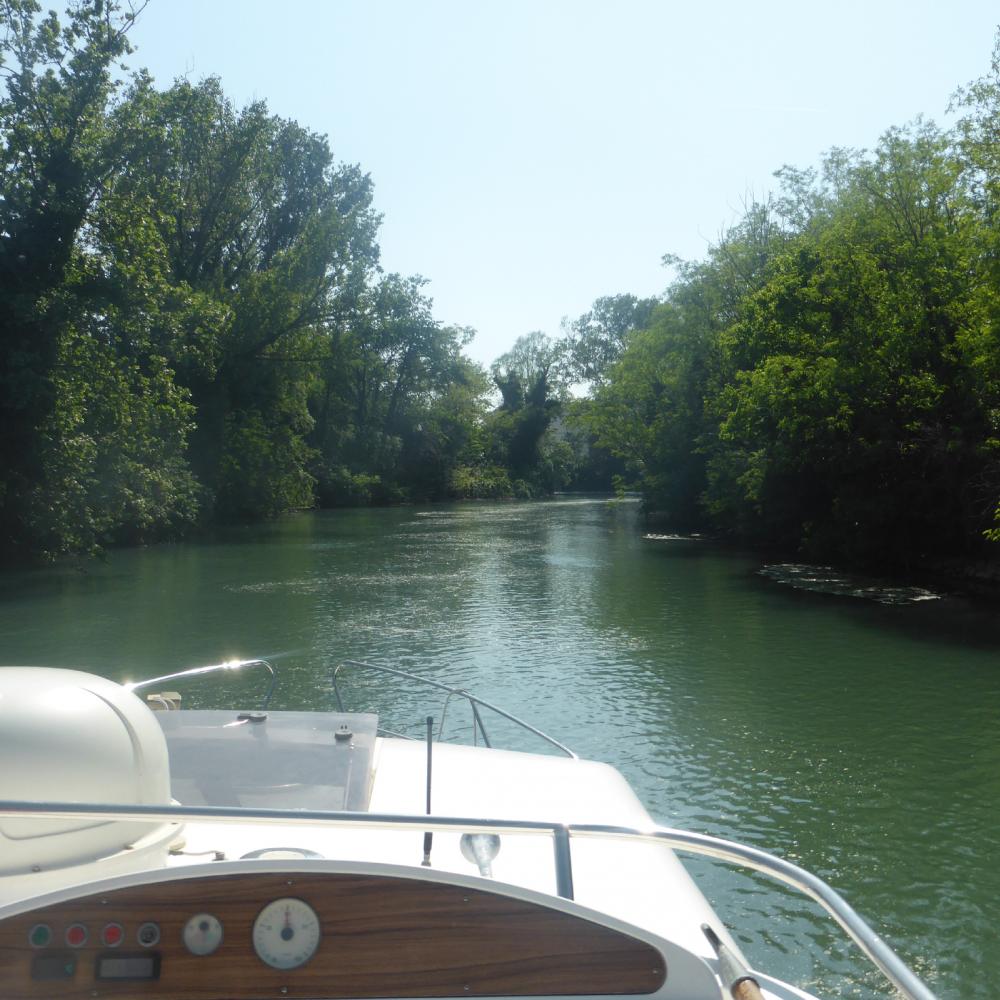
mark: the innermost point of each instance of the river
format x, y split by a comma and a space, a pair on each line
852, 728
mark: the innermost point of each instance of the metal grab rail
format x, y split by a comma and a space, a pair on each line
871, 945
474, 701
213, 668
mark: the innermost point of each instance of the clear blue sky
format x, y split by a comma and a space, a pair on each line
529, 157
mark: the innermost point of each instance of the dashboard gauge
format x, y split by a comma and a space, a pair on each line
202, 934
286, 933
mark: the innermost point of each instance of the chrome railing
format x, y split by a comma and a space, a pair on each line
871, 945
214, 668
475, 703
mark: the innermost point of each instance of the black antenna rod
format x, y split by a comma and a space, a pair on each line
429, 835
735, 976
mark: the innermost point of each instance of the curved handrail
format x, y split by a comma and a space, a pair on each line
472, 699
211, 669
871, 945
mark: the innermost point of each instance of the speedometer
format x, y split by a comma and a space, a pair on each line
286, 933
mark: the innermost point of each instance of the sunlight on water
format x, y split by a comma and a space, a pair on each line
826, 580
651, 537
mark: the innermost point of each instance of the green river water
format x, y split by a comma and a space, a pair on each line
850, 728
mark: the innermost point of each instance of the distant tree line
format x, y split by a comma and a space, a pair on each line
828, 379
194, 328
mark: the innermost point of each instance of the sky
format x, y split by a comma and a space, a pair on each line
530, 157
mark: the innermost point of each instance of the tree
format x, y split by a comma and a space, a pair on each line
847, 423
650, 409
598, 338
193, 323
979, 159
397, 402
537, 363
273, 242
826, 380
57, 149
532, 378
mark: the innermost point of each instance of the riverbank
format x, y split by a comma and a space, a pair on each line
976, 578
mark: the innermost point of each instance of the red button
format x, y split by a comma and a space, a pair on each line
76, 935
112, 935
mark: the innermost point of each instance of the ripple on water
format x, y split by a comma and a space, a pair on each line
352, 581
651, 537
827, 580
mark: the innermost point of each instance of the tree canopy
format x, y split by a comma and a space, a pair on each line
195, 327
826, 381
193, 322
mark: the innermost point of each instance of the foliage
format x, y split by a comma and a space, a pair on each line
490, 482
598, 338
193, 325
532, 378
826, 379
58, 145
396, 397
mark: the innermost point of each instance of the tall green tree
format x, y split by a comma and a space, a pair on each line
58, 147
979, 158
651, 408
532, 378
397, 402
598, 338
846, 422
272, 241
825, 379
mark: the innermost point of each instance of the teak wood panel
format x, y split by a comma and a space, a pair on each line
381, 937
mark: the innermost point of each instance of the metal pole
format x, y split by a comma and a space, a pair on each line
429, 835
564, 862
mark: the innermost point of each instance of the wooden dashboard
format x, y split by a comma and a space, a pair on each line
377, 936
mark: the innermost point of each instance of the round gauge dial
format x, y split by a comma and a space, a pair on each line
202, 934
286, 933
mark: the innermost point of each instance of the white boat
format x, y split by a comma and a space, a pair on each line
237, 855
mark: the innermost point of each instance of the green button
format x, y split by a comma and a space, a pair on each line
40, 936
